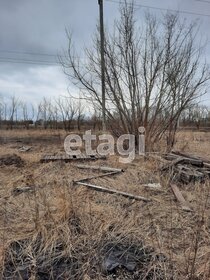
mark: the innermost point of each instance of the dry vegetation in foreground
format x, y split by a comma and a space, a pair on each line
62, 231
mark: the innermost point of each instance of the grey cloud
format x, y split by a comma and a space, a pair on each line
39, 27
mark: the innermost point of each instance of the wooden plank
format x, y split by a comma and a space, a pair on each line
156, 157
97, 176
182, 160
205, 171
207, 165
187, 174
191, 161
113, 191
67, 158
170, 156
153, 186
101, 168
171, 164
101, 157
91, 157
187, 155
177, 193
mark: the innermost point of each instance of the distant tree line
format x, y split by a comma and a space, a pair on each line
69, 114
58, 113
197, 116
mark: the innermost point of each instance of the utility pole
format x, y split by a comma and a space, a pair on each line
101, 13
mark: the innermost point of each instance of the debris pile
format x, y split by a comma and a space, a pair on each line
186, 168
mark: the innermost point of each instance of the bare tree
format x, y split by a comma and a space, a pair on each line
1, 113
45, 112
12, 109
55, 116
80, 114
27, 113
152, 75
68, 110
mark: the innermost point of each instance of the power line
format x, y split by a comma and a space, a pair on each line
162, 9
28, 53
31, 61
24, 61
28, 60
36, 54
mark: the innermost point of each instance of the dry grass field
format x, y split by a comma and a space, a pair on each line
59, 230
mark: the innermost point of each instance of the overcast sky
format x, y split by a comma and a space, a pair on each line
35, 31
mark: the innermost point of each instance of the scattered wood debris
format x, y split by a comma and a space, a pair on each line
68, 158
108, 171
186, 168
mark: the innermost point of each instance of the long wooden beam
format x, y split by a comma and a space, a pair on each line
97, 176
101, 168
113, 191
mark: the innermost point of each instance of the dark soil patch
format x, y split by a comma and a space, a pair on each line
109, 259
11, 160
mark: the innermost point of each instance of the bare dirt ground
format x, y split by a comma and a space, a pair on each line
58, 230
